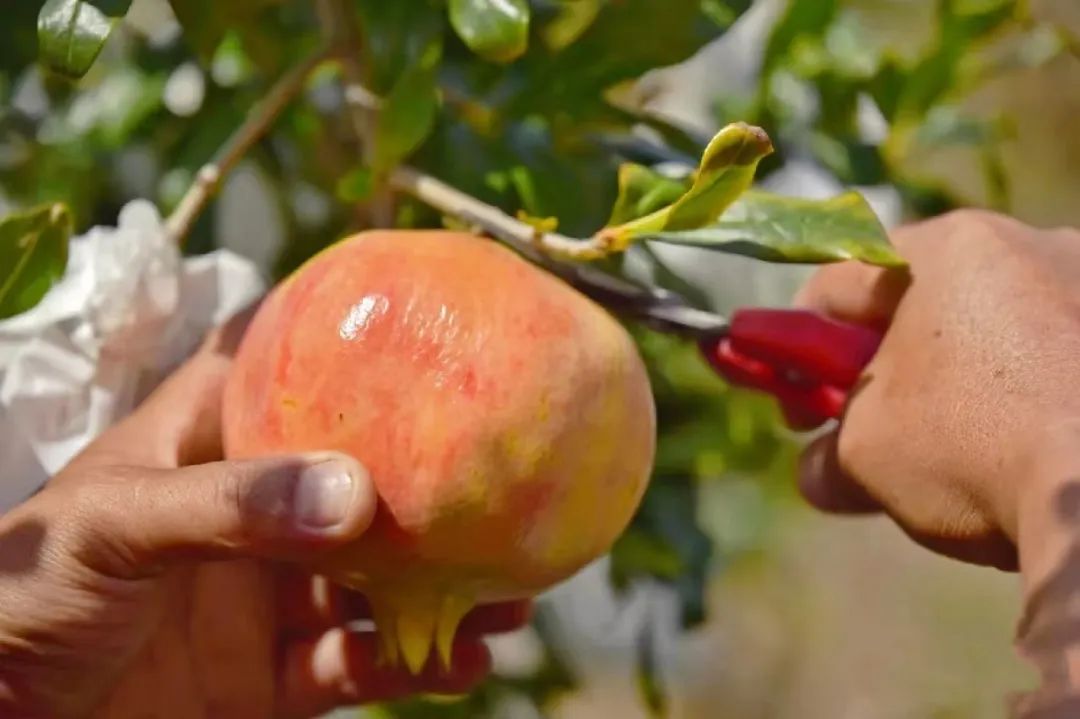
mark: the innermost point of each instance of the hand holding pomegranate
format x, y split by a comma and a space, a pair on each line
141, 581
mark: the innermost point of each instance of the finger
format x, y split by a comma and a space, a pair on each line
855, 292
342, 668
180, 422
275, 508
826, 485
309, 605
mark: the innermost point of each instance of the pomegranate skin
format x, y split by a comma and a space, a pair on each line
506, 420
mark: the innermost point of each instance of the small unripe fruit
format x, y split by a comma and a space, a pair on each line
506, 420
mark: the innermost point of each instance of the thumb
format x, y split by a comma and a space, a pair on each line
279, 508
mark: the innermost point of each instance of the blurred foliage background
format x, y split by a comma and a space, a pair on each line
726, 598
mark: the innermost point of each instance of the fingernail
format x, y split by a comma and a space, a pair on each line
324, 495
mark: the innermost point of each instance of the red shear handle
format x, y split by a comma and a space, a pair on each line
817, 347
808, 361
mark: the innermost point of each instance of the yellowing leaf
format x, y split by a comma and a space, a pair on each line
726, 172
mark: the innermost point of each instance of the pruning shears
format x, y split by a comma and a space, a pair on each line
809, 362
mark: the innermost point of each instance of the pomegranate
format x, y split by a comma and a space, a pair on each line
506, 420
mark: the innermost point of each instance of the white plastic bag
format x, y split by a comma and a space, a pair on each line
128, 310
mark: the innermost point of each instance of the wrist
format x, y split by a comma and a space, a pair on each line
1048, 534
1046, 491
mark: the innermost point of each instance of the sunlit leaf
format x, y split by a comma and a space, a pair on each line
786, 229
497, 30
726, 172
33, 256
71, 33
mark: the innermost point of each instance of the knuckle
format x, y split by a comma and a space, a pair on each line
250, 501
980, 228
954, 229
89, 513
859, 447
852, 449
82, 500
972, 216
231, 495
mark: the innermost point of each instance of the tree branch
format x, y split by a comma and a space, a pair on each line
259, 120
466, 208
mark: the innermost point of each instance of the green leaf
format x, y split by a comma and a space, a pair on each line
356, 186
409, 113
33, 256
497, 30
726, 172
71, 33
790, 230
643, 191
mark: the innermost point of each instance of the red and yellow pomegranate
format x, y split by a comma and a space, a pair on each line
507, 421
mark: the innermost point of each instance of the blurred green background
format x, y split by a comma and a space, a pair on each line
727, 598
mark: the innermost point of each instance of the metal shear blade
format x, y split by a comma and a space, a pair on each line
657, 307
